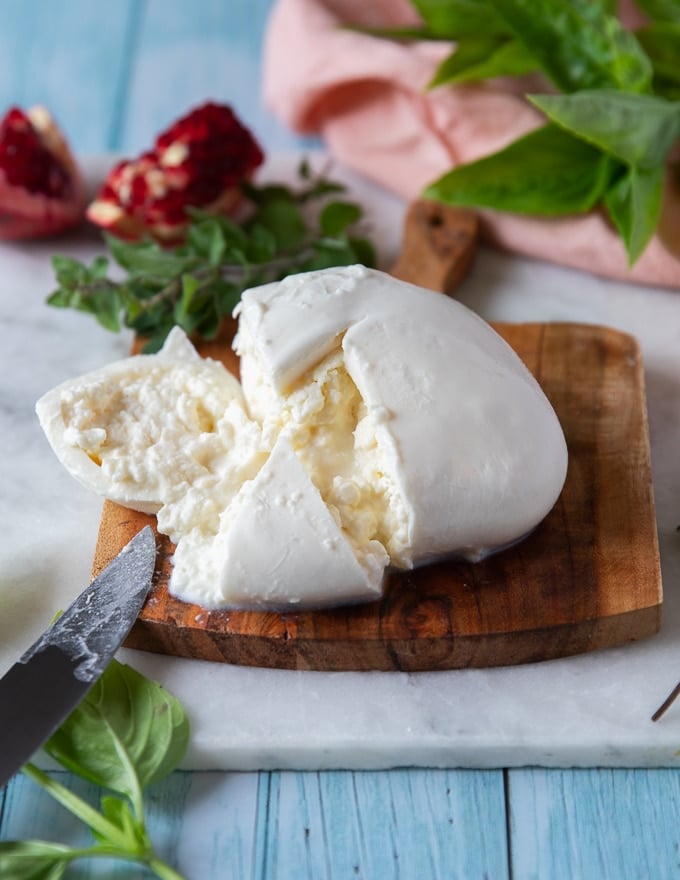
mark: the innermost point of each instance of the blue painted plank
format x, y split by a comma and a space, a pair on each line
397, 824
188, 53
571, 824
216, 831
71, 56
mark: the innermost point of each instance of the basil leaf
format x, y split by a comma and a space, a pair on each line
118, 811
634, 206
547, 172
483, 58
578, 44
661, 10
667, 88
638, 129
395, 33
662, 43
126, 733
455, 19
33, 860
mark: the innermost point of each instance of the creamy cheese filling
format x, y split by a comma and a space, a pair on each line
164, 429
344, 447
178, 434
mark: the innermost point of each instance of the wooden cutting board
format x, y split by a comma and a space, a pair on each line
587, 578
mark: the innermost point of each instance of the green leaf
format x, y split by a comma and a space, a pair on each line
99, 298
662, 43
483, 58
207, 240
66, 268
320, 188
362, 251
661, 10
72, 275
148, 258
227, 297
156, 338
396, 33
209, 237
547, 172
578, 44
634, 206
667, 88
185, 304
270, 192
127, 733
337, 216
325, 256
283, 219
118, 811
209, 324
637, 129
262, 244
456, 19
34, 860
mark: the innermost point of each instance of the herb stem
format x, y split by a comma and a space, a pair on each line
76, 805
667, 703
162, 869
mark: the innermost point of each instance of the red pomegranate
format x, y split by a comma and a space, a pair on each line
198, 162
41, 187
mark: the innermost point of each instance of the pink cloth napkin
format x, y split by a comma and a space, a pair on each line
366, 97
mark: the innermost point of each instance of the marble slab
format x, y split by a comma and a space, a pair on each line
591, 710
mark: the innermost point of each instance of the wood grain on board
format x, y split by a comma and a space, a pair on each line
588, 577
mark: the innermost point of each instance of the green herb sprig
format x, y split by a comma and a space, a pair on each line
196, 284
610, 129
126, 734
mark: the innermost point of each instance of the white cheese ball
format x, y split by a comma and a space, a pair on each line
469, 451
377, 425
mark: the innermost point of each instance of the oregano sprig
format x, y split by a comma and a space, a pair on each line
196, 284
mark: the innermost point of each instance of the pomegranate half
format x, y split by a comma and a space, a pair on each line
198, 162
41, 187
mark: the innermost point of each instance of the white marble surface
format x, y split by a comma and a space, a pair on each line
592, 710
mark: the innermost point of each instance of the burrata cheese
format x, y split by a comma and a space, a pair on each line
376, 425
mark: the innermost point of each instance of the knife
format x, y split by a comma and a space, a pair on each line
55, 673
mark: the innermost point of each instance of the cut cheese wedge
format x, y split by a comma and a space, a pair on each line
135, 431
279, 542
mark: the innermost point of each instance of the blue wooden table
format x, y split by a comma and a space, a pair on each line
115, 74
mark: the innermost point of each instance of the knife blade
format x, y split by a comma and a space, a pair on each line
48, 681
